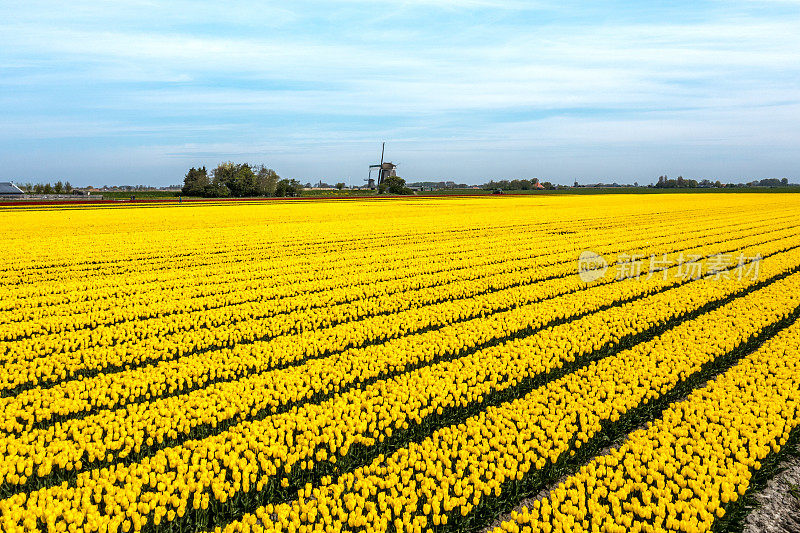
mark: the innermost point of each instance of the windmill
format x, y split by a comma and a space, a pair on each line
384, 169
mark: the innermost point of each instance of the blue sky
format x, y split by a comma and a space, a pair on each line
138, 91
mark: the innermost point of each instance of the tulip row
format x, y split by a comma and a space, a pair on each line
231, 285
239, 299
461, 470
243, 461
230, 361
165, 269
277, 271
687, 470
220, 276
108, 390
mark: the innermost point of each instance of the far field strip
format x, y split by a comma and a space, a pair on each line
180, 272
239, 253
231, 282
154, 243
259, 267
231, 251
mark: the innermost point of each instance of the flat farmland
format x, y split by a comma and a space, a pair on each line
517, 363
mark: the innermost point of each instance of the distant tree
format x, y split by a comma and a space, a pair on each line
47, 189
58, 187
196, 182
718, 184
216, 187
266, 180
785, 182
394, 185
681, 182
288, 188
238, 179
547, 185
503, 185
340, 185
67, 187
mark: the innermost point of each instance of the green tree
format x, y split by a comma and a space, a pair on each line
340, 185
58, 187
286, 188
196, 182
232, 179
394, 185
67, 187
244, 182
266, 180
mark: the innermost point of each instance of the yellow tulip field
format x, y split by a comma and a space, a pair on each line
515, 363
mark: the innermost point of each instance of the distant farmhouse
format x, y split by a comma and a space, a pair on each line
8, 189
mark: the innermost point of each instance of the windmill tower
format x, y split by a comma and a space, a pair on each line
384, 170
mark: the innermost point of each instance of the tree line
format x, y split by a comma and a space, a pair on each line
58, 187
238, 180
517, 185
681, 183
241, 180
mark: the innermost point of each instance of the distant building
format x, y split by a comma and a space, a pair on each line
385, 170
9, 189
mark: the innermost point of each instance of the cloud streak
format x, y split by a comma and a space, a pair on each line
434, 77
